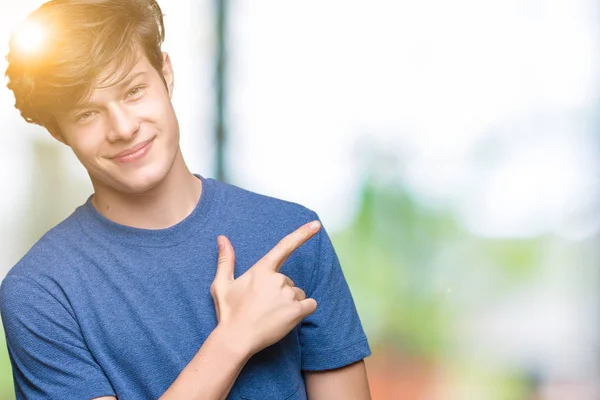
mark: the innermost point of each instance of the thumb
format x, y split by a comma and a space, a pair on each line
226, 261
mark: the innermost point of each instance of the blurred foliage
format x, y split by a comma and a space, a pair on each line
6, 383
389, 255
404, 258
414, 271
474, 381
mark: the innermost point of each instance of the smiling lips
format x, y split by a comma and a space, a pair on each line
135, 153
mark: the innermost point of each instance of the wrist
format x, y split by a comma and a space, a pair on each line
233, 342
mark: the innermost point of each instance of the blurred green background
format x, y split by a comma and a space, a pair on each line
450, 148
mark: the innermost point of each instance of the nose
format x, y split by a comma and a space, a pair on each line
123, 124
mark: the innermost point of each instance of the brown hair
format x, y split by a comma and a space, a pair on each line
82, 38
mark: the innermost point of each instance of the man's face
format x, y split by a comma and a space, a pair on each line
127, 135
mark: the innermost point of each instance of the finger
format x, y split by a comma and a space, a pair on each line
226, 261
278, 254
300, 295
308, 306
285, 280
217, 312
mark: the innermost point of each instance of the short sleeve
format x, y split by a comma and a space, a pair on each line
48, 354
331, 337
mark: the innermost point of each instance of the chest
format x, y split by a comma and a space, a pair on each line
145, 313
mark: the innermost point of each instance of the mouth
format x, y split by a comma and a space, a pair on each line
134, 153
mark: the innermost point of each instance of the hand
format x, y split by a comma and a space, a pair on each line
261, 306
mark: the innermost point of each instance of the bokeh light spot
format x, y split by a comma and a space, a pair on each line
30, 37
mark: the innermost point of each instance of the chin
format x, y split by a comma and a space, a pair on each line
138, 181
138, 186
135, 179
144, 180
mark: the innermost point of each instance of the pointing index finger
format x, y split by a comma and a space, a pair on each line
286, 246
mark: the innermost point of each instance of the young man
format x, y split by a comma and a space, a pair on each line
131, 297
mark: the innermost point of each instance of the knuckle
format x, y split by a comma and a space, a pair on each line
270, 257
213, 289
222, 259
307, 230
290, 293
251, 276
280, 279
287, 243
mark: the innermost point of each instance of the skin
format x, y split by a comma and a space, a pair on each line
157, 191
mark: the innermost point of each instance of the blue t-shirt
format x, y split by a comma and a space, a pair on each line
100, 309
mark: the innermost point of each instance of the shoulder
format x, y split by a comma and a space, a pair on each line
51, 250
247, 206
246, 200
50, 267
255, 223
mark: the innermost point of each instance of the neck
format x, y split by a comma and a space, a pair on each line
165, 205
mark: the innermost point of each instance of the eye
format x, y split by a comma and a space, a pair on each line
135, 92
85, 116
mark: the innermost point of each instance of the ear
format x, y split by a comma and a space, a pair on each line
168, 74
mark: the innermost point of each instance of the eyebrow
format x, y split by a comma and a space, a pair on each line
127, 81
120, 87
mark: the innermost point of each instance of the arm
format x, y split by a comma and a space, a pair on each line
254, 311
212, 371
346, 383
50, 361
333, 341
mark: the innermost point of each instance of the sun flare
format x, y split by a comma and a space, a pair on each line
30, 37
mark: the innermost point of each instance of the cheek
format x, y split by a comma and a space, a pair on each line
161, 113
88, 144
85, 155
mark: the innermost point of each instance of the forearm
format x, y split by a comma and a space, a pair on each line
261, 303
213, 370
346, 383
